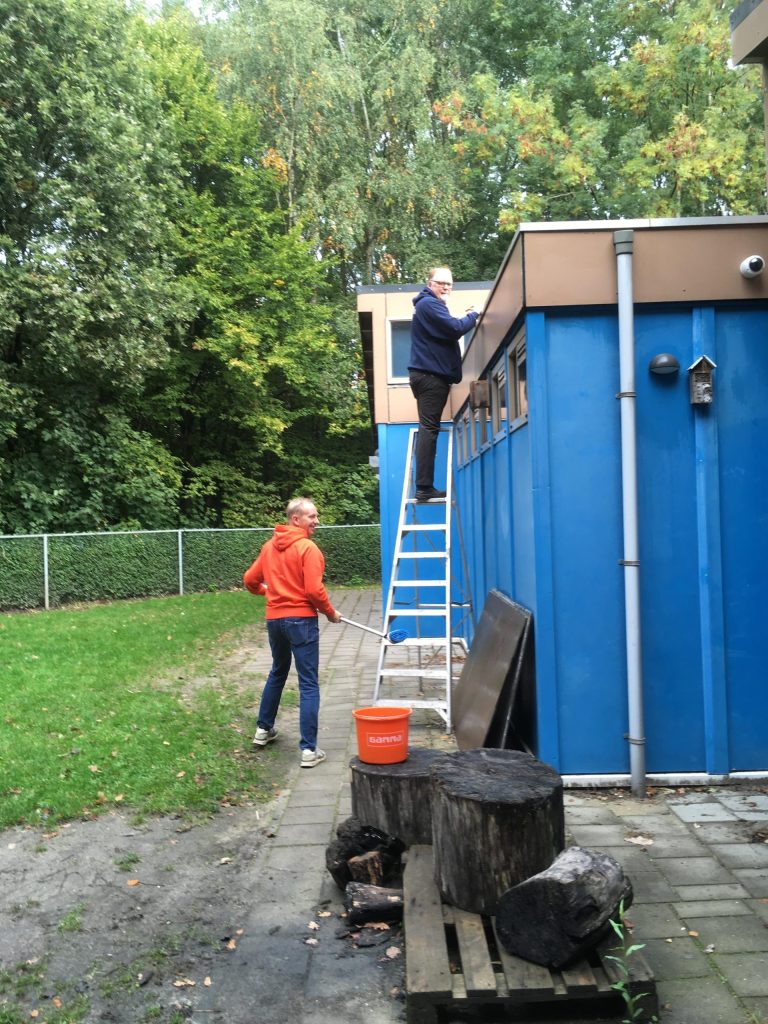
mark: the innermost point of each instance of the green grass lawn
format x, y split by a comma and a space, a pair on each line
122, 705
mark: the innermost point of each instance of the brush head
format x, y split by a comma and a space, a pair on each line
398, 635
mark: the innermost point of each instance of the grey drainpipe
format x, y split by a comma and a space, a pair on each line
623, 244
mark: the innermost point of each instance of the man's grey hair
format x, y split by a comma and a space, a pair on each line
296, 506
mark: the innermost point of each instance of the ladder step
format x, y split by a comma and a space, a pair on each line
432, 501
421, 554
415, 673
423, 583
423, 527
432, 612
422, 641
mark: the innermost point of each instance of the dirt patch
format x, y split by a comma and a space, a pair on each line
127, 921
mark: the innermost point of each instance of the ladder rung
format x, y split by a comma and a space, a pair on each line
423, 527
422, 641
432, 501
423, 583
416, 673
438, 705
421, 554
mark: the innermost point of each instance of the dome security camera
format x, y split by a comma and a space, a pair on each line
752, 266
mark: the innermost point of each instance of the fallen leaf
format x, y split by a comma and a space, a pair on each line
184, 983
57, 1002
232, 944
94, 768
393, 952
324, 913
311, 942
239, 931
694, 935
225, 860
207, 982
379, 926
313, 925
34, 1014
638, 840
180, 775
133, 881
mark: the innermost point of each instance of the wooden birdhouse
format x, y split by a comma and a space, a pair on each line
700, 381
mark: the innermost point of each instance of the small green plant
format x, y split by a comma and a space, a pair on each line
128, 861
73, 921
633, 1000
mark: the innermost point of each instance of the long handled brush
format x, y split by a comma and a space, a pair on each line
395, 636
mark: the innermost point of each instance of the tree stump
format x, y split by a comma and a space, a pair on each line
396, 798
562, 912
497, 819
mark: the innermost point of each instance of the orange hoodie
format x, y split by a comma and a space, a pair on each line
289, 570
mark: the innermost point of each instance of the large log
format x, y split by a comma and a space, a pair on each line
562, 912
397, 798
497, 819
372, 903
353, 839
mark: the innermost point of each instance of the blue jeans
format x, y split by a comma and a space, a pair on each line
300, 638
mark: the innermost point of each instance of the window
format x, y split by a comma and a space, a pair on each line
498, 398
518, 379
399, 351
465, 437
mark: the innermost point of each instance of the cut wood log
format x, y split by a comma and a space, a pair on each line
497, 819
396, 798
368, 867
372, 903
562, 912
353, 838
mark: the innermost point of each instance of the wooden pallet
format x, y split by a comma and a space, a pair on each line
454, 962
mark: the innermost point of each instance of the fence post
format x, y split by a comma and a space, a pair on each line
46, 592
181, 562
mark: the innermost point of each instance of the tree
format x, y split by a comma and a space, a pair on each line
85, 291
260, 389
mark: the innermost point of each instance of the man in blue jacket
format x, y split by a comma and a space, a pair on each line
434, 365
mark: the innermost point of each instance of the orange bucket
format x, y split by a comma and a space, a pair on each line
382, 734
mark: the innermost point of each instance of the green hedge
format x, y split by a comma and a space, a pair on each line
22, 578
352, 554
216, 560
98, 567
113, 566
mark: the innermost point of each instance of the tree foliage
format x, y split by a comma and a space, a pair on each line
188, 201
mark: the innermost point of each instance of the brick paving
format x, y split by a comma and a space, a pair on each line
700, 875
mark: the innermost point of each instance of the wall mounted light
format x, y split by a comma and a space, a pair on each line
664, 363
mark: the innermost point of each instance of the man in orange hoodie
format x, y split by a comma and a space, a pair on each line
289, 571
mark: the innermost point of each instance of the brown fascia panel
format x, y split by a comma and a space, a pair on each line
749, 32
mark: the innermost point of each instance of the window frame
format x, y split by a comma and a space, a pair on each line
499, 399
517, 361
391, 320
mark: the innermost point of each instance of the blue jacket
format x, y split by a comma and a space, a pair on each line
435, 337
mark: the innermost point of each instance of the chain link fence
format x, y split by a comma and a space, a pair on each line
50, 570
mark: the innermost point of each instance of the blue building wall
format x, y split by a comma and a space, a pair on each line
542, 507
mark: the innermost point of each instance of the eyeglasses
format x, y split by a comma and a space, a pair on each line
443, 284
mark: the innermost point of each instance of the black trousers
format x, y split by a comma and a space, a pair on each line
431, 394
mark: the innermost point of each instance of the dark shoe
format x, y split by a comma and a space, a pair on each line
429, 494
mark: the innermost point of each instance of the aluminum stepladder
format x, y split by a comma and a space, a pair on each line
424, 597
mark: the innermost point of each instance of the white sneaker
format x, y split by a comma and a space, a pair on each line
309, 758
263, 737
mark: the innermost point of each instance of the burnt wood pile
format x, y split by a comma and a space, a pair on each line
494, 820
